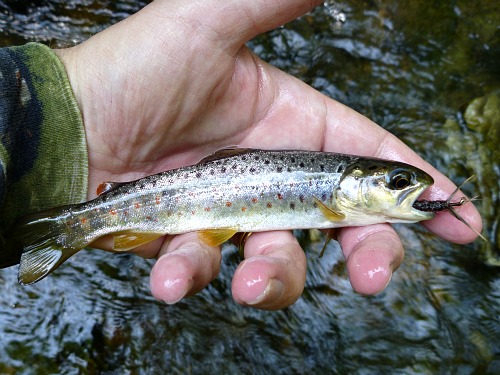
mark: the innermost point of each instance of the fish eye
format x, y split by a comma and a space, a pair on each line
399, 179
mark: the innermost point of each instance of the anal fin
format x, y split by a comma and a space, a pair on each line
215, 237
127, 240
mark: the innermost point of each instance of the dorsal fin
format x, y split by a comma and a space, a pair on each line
225, 153
107, 186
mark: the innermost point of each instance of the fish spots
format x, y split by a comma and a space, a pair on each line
243, 209
323, 197
252, 170
292, 206
279, 169
229, 204
267, 162
254, 200
302, 165
322, 167
137, 205
301, 198
280, 196
83, 220
340, 169
269, 205
198, 174
223, 170
208, 209
113, 211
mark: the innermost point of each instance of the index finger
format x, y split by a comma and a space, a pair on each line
372, 140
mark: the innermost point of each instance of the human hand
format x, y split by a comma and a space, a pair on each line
173, 83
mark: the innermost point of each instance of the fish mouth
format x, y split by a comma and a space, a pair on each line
407, 200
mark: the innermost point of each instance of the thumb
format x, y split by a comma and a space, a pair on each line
234, 22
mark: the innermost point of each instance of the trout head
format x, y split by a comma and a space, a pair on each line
374, 191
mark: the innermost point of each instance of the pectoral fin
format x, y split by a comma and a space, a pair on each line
127, 240
330, 234
215, 237
329, 213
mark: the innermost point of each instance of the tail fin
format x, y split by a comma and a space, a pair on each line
43, 248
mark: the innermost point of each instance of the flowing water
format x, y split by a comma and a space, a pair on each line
427, 71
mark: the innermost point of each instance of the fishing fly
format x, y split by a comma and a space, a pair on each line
448, 205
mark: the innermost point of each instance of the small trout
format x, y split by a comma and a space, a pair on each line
236, 190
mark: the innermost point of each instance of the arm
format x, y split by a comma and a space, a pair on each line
42, 145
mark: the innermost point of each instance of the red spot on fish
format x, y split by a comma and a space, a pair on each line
254, 200
112, 211
243, 209
193, 212
280, 196
269, 205
83, 220
137, 205
207, 209
228, 204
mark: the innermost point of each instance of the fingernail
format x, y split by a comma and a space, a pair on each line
274, 290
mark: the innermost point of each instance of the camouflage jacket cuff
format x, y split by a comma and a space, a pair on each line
43, 153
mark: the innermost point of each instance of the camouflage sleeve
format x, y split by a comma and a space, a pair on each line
43, 154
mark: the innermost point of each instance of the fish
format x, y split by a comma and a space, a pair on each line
230, 191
